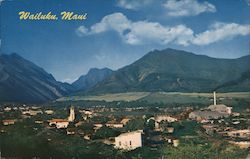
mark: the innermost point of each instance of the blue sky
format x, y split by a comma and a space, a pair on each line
118, 32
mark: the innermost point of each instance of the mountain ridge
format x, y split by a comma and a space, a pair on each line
23, 81
90, 79
173, 70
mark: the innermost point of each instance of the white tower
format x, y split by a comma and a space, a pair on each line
71, 117
214, 98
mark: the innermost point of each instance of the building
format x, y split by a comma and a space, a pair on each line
221, 108
71, 117
244, 134
49, 112
129, 140
124, 121
9, 122
7, 109
114, 125
59, 123
206, 115
167, 118
32, 112
97, 126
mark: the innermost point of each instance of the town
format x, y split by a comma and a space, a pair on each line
127, 129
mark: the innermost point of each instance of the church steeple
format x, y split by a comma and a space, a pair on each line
71, 117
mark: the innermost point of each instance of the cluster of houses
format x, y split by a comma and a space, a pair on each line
135, 139
218, 112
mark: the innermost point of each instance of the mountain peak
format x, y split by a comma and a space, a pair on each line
173, 70
93, 76
94, 70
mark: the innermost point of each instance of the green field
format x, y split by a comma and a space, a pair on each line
165, 97
130, 96
238, 100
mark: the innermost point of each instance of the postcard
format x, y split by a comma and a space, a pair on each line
129, 79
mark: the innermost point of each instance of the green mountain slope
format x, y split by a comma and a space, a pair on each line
175, 71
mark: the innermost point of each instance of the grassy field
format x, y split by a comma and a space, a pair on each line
130, 96
165, 97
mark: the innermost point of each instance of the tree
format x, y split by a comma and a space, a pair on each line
105, 132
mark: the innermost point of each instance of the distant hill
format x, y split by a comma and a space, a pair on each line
23, 81
178, 71
89, 80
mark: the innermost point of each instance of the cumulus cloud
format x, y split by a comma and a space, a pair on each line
248, 2
177, 8
133, 4
221, 31
80, 31
140, 32
145, 32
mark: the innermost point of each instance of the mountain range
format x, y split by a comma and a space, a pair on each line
178, 71
23, 81
160, 70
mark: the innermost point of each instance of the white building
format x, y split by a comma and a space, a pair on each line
49, 112
167, 118
9, 122
59, 123
7, 109
160, 118
129, 140
32, 112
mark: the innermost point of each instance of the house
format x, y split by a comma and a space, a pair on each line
242, 144
39, 122
59, 123
114, 125
129, 140
32, 112
9, 122
7, 109
176, 142
167, 118
88, 113
245, 133
172, 140
49, 112
124, 121
70, 131
97, 126
160, 118
170, 130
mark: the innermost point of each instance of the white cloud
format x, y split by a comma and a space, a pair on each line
177, 8
221, 31
80, 31
145, 32
133, 4
140, 32
116, 21
248, 2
